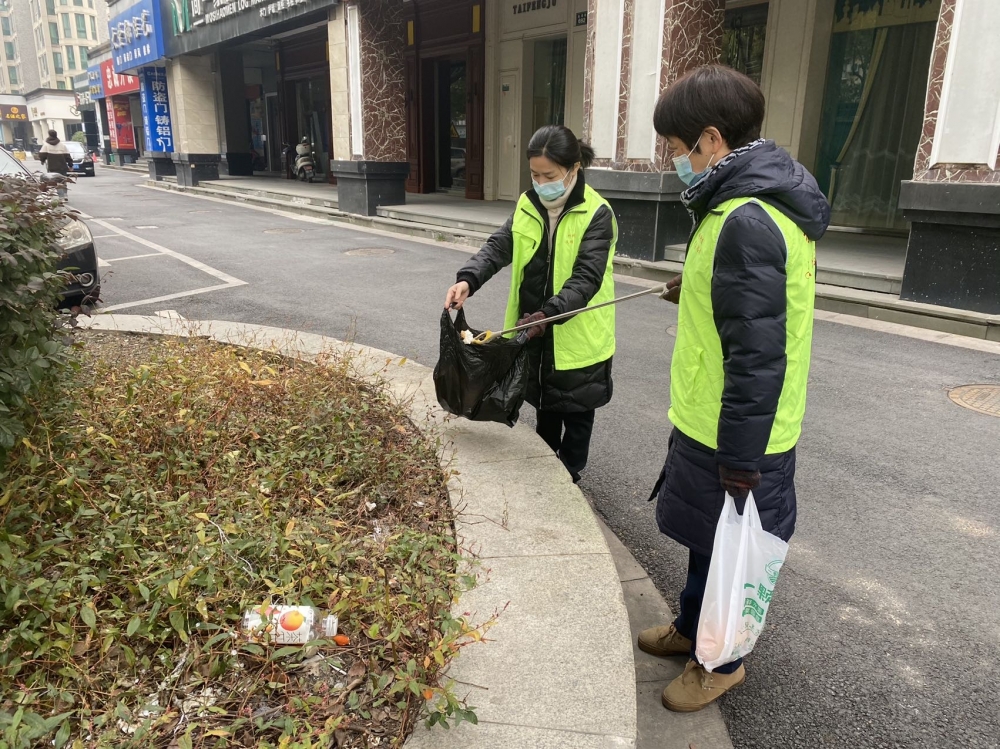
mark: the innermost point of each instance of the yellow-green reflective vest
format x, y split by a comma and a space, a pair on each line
696, 373
588, 338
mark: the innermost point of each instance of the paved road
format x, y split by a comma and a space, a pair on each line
885, 630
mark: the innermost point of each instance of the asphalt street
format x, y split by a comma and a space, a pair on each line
885, 626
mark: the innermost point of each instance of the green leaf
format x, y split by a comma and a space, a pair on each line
373, 631
179, 623
173, 587
62, 735
13, 596
144, 592
133, 625
88, 615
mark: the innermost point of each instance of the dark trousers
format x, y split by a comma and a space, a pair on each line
691, 598
568, 434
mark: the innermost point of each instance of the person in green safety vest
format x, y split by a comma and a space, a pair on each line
560, 243
740, 363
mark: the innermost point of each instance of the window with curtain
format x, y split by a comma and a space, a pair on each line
743, 39
81, 26
71, 58
873, 108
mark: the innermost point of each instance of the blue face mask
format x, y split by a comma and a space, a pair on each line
685, 173
550, 190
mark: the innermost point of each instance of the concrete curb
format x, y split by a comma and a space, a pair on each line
558, 671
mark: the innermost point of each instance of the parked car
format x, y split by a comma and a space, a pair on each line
79, 256
83, 162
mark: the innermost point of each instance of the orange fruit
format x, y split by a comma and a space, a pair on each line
428, 694
342, 640
291, 621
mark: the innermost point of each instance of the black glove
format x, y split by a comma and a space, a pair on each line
537, 330
672, 292
738, 483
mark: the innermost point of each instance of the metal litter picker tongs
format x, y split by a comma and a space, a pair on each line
488, 335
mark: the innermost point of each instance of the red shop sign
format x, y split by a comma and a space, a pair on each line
115, 83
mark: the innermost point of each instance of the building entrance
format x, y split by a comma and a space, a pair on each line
448, 131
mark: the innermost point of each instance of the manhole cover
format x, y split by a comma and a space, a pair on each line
282, 231
982, 398
371, 252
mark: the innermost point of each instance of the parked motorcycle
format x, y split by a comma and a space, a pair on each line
305, 164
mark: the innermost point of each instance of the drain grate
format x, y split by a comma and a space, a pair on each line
371, 252
282, 231
982, 398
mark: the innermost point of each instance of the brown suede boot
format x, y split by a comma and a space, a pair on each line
664, 641
696, 688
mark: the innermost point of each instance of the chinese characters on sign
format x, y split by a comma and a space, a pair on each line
191, 14
114, 83
136, 36
120, 124
96, 82
13, 112
156, 124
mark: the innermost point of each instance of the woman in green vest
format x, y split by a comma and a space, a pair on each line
559, 242
740, 363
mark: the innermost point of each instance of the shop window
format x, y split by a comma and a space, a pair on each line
743, 39
67, 23
873, 108
81, 26
54, 32
57, 63
12, 76
71, 58
549, 87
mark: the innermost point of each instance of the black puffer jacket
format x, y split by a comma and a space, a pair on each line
566, 391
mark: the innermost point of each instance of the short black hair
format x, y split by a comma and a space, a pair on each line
712, 95
558, 143
53, 134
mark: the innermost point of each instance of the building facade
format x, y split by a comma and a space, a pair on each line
441, 96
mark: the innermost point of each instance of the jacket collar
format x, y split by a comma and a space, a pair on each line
576, 198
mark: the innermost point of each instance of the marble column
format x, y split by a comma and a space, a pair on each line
368, 74
191, 88
636, 49
953, 200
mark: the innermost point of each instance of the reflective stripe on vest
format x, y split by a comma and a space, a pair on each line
588, 338
696, 373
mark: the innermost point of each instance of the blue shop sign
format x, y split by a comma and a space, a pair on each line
136, 36
95, 82
156, 125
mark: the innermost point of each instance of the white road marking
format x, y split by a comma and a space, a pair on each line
224, 277
170, 314
102, 263
168, 297
228, 281
131, 257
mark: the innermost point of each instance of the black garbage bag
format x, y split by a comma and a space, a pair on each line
480, 382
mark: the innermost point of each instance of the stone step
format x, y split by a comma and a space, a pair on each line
401, 213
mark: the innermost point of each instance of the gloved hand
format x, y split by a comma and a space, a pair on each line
673, 291
537, 330
738, 483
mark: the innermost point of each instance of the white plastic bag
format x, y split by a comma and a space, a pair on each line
745, 564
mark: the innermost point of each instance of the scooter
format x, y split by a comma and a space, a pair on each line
305, 166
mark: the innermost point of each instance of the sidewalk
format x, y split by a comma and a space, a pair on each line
857, 274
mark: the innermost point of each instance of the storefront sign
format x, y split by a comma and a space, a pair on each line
533, 14
115, 83
202, 23
136, 36
120, 124
156, 125
860, 15
95, 82
13, 112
